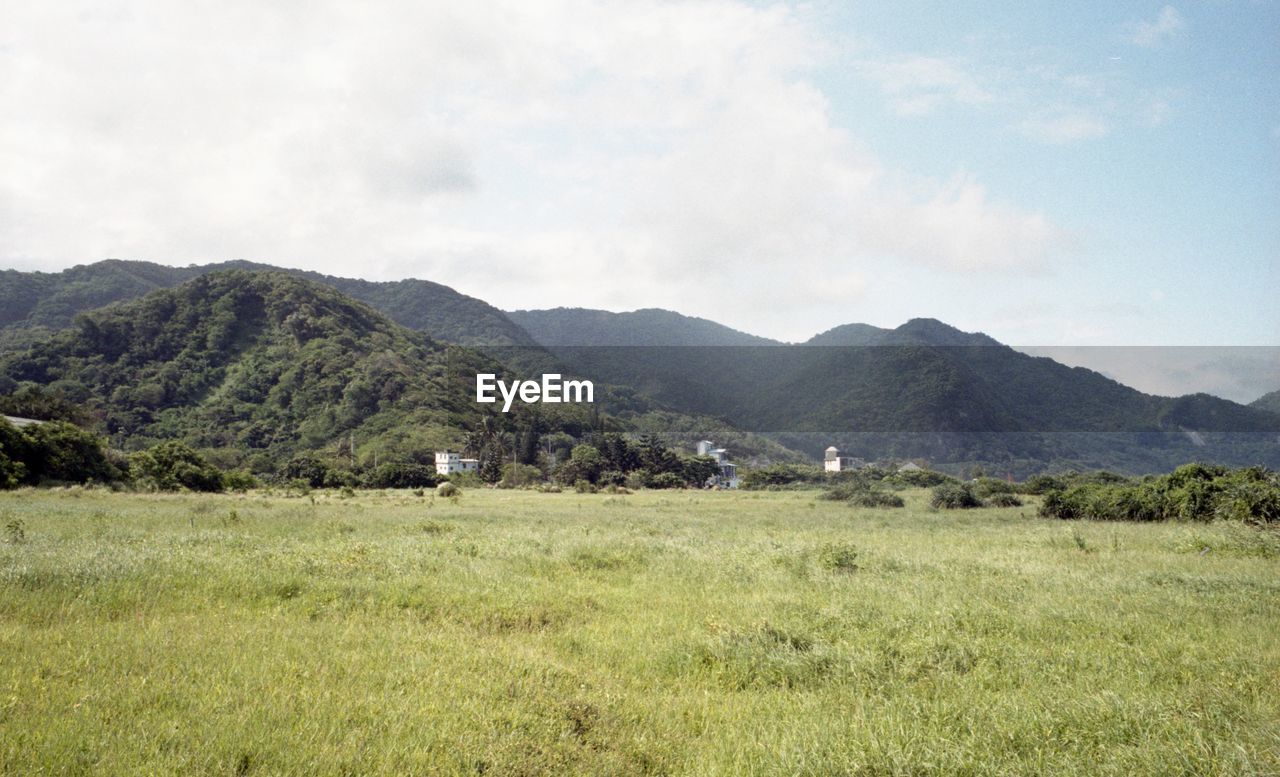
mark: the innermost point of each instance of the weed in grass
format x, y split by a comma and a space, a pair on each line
15, 531
435, 527
838, 557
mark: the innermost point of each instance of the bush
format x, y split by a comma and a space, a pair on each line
1003, 499
173, 466
954, 496
861, 494
239, 480
923, 478
307, 468
1193, 492
448, 490
401, 474
876, 498
838, 557
985, 487
782, 475
584, 486
56, 451
666, 480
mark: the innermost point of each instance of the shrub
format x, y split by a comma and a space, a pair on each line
861, 494
838, 557
1194, 492
1003, 500
239, 480
923, 478
309, 468
447, 489
985, 487
401, 474
584, 486
782, 475
954, 496
666, 480
58, 451
173, 466
876, 498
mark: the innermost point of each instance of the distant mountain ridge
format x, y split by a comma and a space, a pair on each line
920, 389
32, 304
1269, 402
644, 327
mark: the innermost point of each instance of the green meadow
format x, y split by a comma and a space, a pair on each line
704, 633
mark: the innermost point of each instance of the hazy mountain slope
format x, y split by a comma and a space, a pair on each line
650, 326
33, 303
1269, 402
927, 389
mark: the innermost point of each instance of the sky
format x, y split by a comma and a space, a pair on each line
1053, 174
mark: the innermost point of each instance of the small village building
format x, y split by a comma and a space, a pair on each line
834, 462
728, 476
448, 463
911, 466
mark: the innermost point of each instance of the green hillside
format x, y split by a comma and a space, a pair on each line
255, 363
33, 304
259, 366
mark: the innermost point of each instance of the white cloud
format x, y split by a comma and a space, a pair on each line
1165, 28
569, 152
917, 85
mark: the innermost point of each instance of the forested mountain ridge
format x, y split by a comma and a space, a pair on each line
1269, 402
253, 362
924, 389
33, 304
257, 366
644, 327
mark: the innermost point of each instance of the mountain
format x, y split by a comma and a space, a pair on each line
921, 389
33, 304
917, 331
1268, 402
256, 363
647, 327
256, 366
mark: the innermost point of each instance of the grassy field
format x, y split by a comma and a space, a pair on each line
656, 633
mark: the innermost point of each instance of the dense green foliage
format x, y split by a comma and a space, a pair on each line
53, 452
1194, 492
954, 496
862, 494
172, 466
259, 366
37, 304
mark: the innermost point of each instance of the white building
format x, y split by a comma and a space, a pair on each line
728, 477
448, 463
21, 422
834, 462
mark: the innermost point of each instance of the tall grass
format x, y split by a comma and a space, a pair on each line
650, 633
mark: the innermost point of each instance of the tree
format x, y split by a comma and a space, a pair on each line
64, 452
585, 463
172, 466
